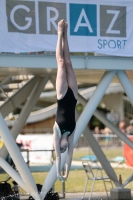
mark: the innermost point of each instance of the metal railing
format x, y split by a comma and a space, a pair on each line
109, 140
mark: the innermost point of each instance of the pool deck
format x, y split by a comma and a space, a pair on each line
78, 196
96, 196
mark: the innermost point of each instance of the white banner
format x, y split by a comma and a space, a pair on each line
36, 142
101, 26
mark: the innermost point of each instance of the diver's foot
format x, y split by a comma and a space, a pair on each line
60, 178
65, 28
61, 27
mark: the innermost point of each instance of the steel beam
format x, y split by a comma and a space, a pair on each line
92, 104
53, 80
105, 121
18, 159
18, 98
126, 84
99, 154
7, 80
31, 102
13, 174
24, 62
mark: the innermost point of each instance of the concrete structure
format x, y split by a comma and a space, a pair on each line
120, 194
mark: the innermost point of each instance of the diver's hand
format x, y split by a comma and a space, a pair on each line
61, 178
65, 177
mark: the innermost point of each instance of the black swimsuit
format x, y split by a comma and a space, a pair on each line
65, 116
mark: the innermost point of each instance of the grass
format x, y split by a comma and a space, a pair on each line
110, 153
76, 180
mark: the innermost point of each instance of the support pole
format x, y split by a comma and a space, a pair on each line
18, 159
13, 174
126, 84
53, 80
81, 124
92, 104
99, 154
20, 96
20, 122
105, 121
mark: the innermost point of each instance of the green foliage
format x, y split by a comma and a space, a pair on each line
96, 122
17, 111
80, 108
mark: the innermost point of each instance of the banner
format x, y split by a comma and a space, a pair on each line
101, 26
37, 144
128, 153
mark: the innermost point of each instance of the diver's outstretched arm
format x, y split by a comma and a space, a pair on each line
56, 139
69, 154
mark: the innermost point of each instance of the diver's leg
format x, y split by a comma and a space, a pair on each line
71, 78
56, 139
61, 80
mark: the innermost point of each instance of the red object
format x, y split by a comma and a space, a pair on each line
128, 153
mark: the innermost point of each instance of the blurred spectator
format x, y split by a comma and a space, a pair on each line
130, 128
96, 130
122, 126
107, 132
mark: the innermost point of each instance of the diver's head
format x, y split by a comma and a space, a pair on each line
63, 144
